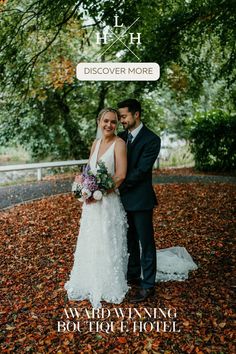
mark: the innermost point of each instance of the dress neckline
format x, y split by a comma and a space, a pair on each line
99, 143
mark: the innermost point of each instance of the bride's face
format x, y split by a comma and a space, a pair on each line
108, 123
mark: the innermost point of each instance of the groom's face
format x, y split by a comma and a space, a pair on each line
129, 120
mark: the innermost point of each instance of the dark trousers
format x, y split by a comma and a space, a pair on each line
141, 231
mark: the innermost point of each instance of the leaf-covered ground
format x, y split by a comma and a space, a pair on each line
191, 171
37, 245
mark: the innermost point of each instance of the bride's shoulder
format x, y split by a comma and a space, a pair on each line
120, 142
120, 146
93, 146
95, 142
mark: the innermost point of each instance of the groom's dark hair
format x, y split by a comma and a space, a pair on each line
132, 104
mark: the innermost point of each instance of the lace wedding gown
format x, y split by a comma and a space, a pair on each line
174, 263
101, 258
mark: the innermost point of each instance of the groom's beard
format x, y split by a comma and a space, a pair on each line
128, 126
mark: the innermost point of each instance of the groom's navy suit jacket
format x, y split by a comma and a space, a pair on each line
136, 191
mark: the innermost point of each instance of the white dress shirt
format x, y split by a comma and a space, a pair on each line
136, 131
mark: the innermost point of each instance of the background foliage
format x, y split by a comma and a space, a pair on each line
214, 140
48, 111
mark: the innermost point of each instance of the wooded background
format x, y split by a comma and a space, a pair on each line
49, 112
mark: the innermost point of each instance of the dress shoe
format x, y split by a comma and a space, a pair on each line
142, 295
133, 282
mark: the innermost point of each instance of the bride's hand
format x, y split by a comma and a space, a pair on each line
90, 201
78, 178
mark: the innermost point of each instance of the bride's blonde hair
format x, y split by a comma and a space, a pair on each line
105, 110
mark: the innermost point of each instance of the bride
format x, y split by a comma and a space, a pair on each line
101, 257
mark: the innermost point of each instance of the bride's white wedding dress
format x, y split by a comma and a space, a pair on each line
101, 258
174, 263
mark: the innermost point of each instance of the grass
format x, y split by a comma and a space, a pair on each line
180, 156
18, 155
13, 154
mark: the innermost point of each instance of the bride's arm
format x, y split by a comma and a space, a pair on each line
120, 162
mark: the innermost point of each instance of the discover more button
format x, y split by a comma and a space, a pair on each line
118, 71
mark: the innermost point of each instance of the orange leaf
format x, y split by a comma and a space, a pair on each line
186, 323
122, 340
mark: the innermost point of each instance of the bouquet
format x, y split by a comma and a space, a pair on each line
92, 186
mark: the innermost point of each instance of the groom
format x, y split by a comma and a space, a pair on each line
138, 198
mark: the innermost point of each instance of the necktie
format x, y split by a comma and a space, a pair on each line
129, 139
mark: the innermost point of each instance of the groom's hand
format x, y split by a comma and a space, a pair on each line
109, 191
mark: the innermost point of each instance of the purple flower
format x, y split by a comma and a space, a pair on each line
90, 183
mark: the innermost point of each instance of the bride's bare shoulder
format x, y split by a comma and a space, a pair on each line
94, 143
120, 141
93, 146
120, 146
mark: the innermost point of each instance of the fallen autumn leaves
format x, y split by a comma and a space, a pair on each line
37, 246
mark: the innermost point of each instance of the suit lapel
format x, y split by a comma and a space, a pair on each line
131, 146
139, 136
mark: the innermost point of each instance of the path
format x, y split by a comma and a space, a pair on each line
9, 196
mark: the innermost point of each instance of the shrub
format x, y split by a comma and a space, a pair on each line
213, 141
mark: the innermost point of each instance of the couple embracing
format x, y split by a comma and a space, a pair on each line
116, 244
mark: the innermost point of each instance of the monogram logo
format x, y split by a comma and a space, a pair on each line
105, 38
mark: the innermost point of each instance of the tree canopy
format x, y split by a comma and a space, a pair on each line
48, 110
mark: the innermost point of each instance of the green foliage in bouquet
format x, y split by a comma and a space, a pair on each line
213, 141
104, 179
